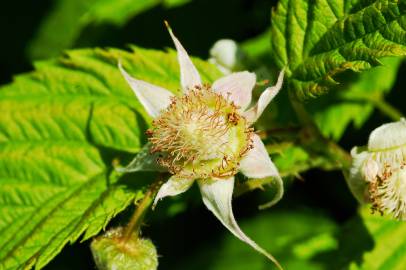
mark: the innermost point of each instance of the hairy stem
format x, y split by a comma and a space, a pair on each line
137, 218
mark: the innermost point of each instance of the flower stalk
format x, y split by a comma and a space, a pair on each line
133, 227
387, 109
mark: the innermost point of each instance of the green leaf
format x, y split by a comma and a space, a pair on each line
74, 15
389, 237
380, 244
62, 127
289, 235
355, 100
316, 40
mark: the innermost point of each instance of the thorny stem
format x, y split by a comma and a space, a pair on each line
137, 218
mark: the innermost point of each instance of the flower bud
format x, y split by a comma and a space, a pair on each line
226, 55
378, 174
112, 252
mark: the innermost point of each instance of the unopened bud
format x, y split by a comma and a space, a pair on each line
113, 252
226, 55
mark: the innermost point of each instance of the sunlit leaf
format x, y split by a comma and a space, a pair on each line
62, 127
317, 40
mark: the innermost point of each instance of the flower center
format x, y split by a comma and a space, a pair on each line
200, 135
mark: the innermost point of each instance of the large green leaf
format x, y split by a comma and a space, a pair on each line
315, 40
61, 129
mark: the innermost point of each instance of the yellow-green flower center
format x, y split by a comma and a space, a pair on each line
200, 135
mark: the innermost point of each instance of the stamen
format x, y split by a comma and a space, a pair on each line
199, 129
386, 192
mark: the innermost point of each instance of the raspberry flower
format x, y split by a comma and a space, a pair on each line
205, 136
378, 174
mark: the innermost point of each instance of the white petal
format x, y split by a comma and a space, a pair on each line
226, 54
152, 97
266, 97
189, 76
280, 189
370, 169
237, 86
217, 195
356, 182
388, 136
257, 163
173, 187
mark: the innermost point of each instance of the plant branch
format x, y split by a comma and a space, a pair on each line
387, 109
379, 103
138, 216
313, 135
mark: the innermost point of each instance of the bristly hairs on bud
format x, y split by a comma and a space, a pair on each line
123, 248
111, 252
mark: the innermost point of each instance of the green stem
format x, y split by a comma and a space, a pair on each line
387, 109
133, 227
314, 135
303, 116
379, 102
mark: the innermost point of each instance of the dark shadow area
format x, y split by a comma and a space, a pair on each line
397, 96
353, 241
198, 25
72, 257
324, 189
19, 21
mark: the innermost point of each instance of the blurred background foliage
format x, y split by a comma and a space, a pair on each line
318, 224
